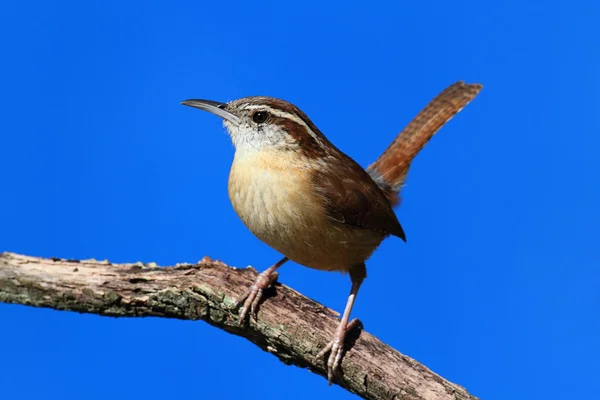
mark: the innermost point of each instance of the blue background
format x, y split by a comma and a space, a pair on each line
497, 288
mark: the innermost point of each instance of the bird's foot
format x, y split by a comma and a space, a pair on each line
335, 348
252, 296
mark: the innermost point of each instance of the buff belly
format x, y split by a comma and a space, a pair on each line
272, 196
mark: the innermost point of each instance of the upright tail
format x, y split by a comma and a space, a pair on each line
391, 168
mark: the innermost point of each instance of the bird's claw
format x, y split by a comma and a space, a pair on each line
335, 348
252, 296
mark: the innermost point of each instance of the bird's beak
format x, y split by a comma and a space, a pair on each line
213, 107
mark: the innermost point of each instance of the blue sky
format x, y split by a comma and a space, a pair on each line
497, 288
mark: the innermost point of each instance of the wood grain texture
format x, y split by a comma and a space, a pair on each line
290, 326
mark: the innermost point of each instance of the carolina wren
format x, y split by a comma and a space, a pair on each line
302, 196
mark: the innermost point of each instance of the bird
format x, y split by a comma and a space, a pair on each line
302, 196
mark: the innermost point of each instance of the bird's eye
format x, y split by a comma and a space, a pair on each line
260, 116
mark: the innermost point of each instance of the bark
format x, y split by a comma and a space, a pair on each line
290, 326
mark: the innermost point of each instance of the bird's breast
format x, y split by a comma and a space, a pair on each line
273, 195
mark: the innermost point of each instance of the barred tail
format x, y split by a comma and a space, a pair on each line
391, 168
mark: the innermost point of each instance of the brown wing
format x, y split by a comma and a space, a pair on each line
353, 198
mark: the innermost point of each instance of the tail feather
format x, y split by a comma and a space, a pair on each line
391, 168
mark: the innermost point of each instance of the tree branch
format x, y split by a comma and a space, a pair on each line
291, 326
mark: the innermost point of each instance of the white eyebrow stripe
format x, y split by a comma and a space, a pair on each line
283, 114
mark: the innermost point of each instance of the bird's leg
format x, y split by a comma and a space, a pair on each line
336, 346
253, 295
